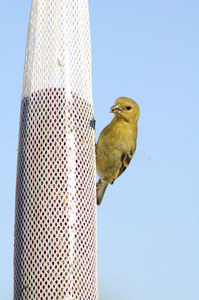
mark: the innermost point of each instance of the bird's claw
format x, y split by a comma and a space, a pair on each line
97, 186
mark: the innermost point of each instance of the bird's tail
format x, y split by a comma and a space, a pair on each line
101, 188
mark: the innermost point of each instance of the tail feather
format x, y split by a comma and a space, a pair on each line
101, 188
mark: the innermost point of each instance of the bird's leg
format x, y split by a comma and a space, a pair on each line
98, 184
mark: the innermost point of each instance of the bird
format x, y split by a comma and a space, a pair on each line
116, 144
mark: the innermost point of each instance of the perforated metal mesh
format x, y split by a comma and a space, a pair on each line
55, 253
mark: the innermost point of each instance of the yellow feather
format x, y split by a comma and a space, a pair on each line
117, 143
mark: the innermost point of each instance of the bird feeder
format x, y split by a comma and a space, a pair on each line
55, 251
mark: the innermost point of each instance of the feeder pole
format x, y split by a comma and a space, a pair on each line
55, 251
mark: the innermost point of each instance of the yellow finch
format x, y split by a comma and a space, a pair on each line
116, 144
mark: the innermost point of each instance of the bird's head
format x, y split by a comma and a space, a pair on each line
126, 108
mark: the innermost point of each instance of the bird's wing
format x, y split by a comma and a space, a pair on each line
125, 159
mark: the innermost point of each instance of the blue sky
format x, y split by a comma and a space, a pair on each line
148, 223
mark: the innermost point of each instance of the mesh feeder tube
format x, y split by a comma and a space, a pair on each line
55, 251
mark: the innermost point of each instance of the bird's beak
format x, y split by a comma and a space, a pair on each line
116, 108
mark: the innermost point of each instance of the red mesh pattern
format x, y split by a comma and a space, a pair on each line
55, 253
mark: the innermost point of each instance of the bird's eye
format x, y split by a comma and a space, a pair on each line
128, 107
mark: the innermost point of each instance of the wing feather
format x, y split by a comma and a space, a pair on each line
125, 159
